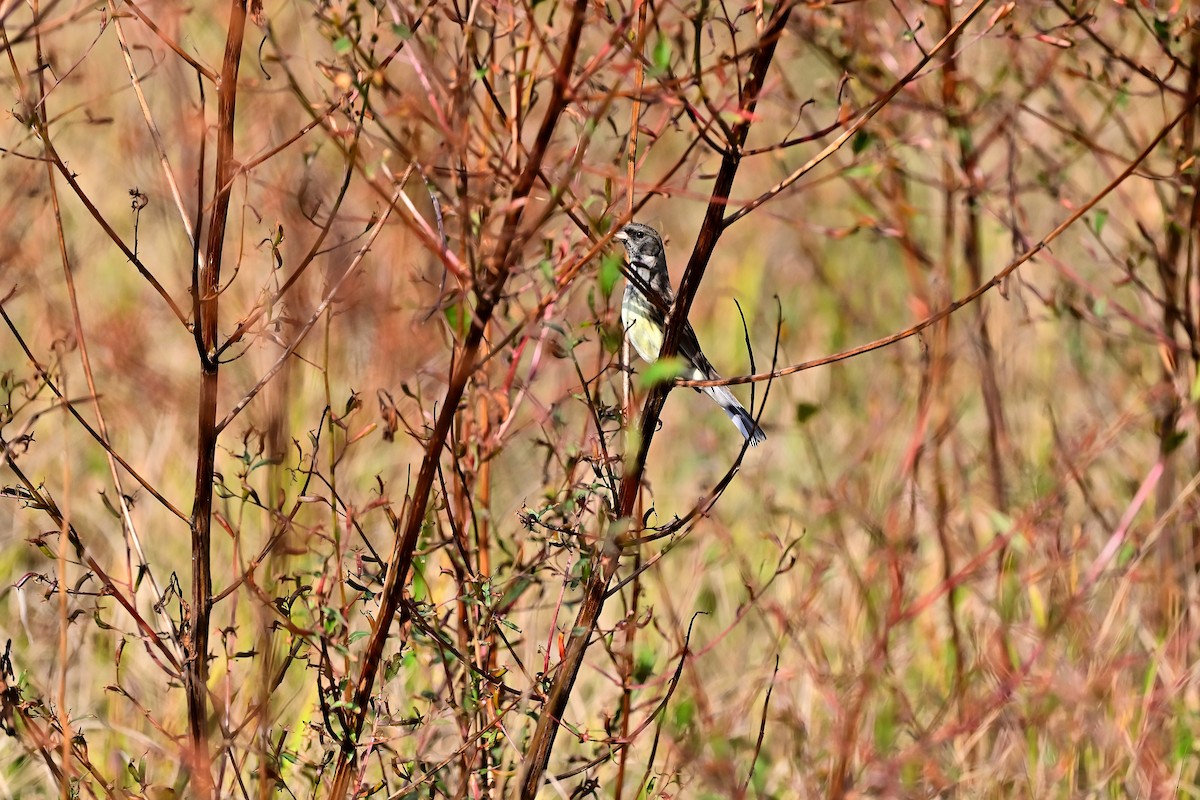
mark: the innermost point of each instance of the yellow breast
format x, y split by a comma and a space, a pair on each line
646, 337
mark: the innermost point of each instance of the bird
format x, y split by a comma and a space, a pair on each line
645, 321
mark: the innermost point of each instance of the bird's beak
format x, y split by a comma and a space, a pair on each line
621, 236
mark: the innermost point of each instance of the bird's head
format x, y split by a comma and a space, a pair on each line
642, 244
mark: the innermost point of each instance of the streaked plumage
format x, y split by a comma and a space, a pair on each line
645, 321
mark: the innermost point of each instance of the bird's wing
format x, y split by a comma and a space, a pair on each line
689, 348
689, 344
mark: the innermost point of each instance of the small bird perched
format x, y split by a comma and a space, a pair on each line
645, 322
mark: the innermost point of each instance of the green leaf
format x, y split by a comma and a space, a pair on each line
1162, 29
459, 318
684, 713
643, 665
661, 56
862, 140
1099, 220
611, 337
862, 171
806, 411
1185, 742
418, 588
885, 726
515, 590
610, 272
1001, 523
343, 45
662, 371
403, 31
1037, 606
963, 134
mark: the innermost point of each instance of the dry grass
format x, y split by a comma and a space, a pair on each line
963, 564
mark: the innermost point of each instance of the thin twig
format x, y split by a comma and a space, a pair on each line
977, 292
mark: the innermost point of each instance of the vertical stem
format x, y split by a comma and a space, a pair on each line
607, 556
627, 399
64, 537
1178, 540
465, 431
958, 127
500, 262
485, 639
205, 298
959, 124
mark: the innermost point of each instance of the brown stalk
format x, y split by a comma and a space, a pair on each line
314, 249
171, 43
64, 526
978, 291
959, 123
859, 123
69, 176
43, 501
156, 137
70, 406
67, 536
206, 292
942, 358
607, 558
1179, 556
308, 325
406, 540
627, 660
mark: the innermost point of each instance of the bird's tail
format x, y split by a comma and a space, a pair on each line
737, 412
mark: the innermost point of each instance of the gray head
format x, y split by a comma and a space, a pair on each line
643, 245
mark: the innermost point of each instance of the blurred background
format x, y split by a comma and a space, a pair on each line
963, 564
